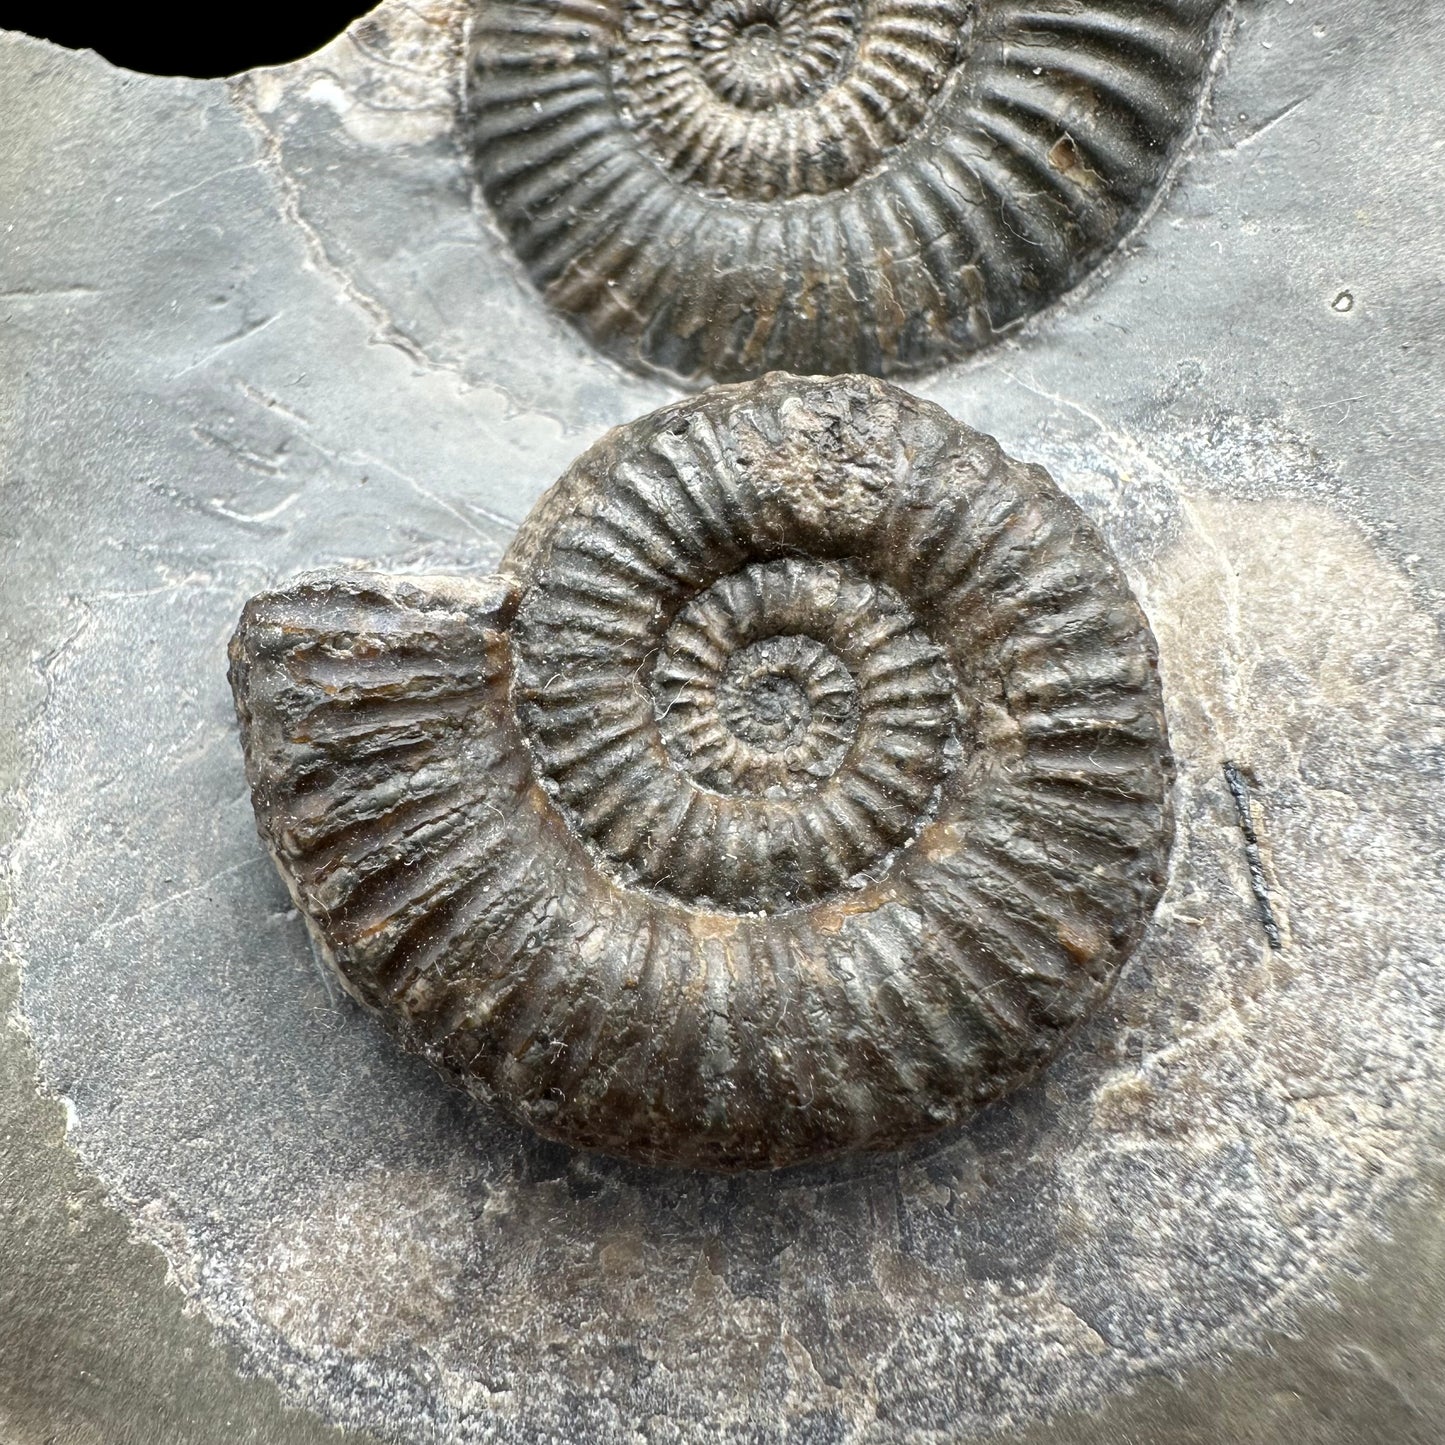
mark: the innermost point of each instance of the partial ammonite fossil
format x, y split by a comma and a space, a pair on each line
797, 785
715, 188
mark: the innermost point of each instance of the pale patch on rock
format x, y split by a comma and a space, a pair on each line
392, 78
365, 1265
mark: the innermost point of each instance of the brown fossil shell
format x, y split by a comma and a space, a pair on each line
797, 786
717, 188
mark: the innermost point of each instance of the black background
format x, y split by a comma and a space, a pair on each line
195, 39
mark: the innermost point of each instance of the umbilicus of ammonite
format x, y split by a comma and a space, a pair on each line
796, 786
717, 188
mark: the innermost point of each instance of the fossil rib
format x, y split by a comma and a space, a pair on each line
798, 785
715, 188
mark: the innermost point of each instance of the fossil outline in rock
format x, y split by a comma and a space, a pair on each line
910, 822
712, 189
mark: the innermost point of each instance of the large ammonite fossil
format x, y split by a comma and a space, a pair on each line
797, 785
714, 188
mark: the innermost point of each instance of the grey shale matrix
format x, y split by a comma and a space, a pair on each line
797, 785
716, 190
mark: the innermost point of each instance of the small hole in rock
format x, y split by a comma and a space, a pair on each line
195, 42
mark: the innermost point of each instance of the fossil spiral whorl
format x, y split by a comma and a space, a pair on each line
717, 188
804, 718
798, 785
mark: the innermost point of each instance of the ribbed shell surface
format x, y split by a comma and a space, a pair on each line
798, 786
717, 188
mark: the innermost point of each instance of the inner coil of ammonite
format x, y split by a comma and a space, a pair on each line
714, 188
761, 99
806, 723
797, 786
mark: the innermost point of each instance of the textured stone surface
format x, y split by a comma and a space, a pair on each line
481, 792
258, 328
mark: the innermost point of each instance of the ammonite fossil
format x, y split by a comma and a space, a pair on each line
797, 785
715, 188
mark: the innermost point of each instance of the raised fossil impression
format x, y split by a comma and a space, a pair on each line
715, 188
797, 785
